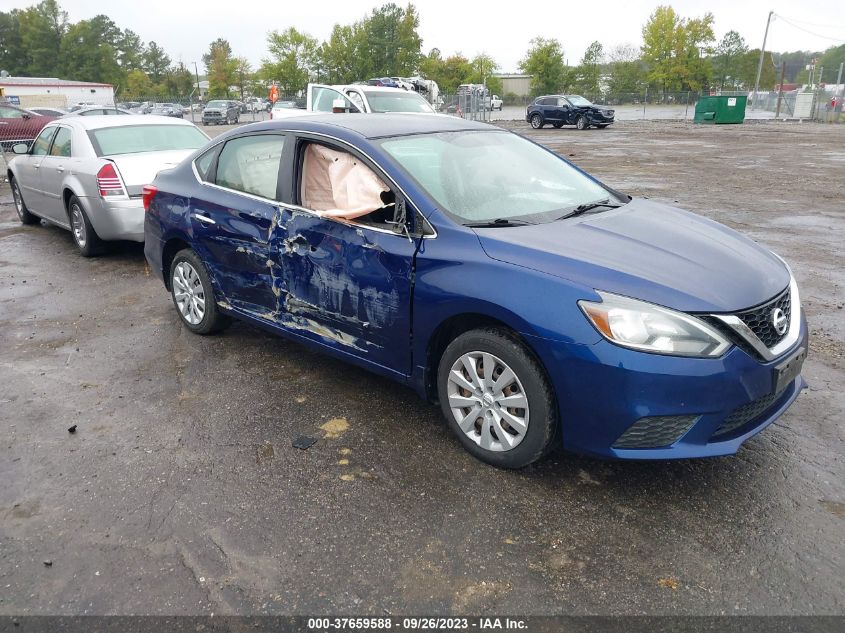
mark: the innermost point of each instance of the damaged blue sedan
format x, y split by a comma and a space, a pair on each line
540, 307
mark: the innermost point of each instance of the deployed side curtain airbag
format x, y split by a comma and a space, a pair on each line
336, 184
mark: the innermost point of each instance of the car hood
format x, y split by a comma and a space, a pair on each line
140, 169
648, 251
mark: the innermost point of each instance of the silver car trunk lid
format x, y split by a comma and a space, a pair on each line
140, 169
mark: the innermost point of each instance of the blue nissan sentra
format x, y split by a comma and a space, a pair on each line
537, 305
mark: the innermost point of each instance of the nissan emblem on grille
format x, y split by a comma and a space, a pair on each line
779, 321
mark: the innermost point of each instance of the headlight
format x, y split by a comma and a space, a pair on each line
650, 328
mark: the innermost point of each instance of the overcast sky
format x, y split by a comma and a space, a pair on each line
468, 26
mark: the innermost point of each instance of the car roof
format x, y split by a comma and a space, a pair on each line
373, 126
98, 121
384, 89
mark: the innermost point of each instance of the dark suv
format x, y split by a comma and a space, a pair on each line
221, 111
567, 110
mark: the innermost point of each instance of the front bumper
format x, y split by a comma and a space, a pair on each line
116, 219
604, 389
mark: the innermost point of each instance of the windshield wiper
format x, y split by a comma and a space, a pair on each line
496, 222
589, 206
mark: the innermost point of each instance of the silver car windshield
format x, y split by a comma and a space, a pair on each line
399, 101
132, 139
495, 175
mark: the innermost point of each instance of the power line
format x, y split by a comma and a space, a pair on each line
826, 26
801, 28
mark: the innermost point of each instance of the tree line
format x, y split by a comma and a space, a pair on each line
677, 54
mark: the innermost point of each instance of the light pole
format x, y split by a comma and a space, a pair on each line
760, 65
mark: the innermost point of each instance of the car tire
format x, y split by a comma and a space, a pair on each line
84, 235
537, 121
506, 353
582, 123
557, 125
193, 294
20, 206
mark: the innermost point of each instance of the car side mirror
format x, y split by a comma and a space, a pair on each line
20, 148
27, 116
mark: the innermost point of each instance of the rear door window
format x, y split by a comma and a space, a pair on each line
61, 144
251, 164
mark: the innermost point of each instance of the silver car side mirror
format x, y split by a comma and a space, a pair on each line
20, 148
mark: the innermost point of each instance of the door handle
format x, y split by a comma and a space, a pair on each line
60, 168
38, 166
203, 218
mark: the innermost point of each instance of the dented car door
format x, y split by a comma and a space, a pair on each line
345, 285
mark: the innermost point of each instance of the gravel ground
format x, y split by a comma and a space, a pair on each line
180, 493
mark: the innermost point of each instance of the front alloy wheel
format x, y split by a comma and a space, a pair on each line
582, 123
536, 121
496, 398
20, 206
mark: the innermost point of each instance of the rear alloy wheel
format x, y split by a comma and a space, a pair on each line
496, 398
193, 294
86, 238
537, 121
20, 206
582, 123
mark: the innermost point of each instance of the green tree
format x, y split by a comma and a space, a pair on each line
42, 29
449, 73
243, 75
544, 62
220, 67
830, 61
340, 54
178, 82
130, 51
393, 42
89, 51
727, 59
748, 70
697, 38
155, 62
138, 85
12, 54
626, 73
661, 35
294, 56
588, 73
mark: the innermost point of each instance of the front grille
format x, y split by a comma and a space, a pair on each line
656, 431
746, 413
759, 319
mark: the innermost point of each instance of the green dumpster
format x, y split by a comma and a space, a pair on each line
721, 109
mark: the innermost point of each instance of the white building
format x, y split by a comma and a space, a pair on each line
31, 92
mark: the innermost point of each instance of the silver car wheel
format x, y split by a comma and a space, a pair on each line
488, 401
77, 225
188, 292
16, 194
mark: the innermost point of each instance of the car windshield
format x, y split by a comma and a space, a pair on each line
495, 175
399, 101
132, 139
577, 100
216, 104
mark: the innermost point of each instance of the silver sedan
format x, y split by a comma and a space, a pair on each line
87, 174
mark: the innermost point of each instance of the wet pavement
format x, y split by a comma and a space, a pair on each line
180, 491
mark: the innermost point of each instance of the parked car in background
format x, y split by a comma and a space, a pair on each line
221, 112
496, 103
96, 111
559, 110
401, 82
129, 105
167, 109
385, 82
51, 112
19, 126
86, 174
366, 98
539, 306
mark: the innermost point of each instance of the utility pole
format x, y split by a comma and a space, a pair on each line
197, 73
760, 65
780, 87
